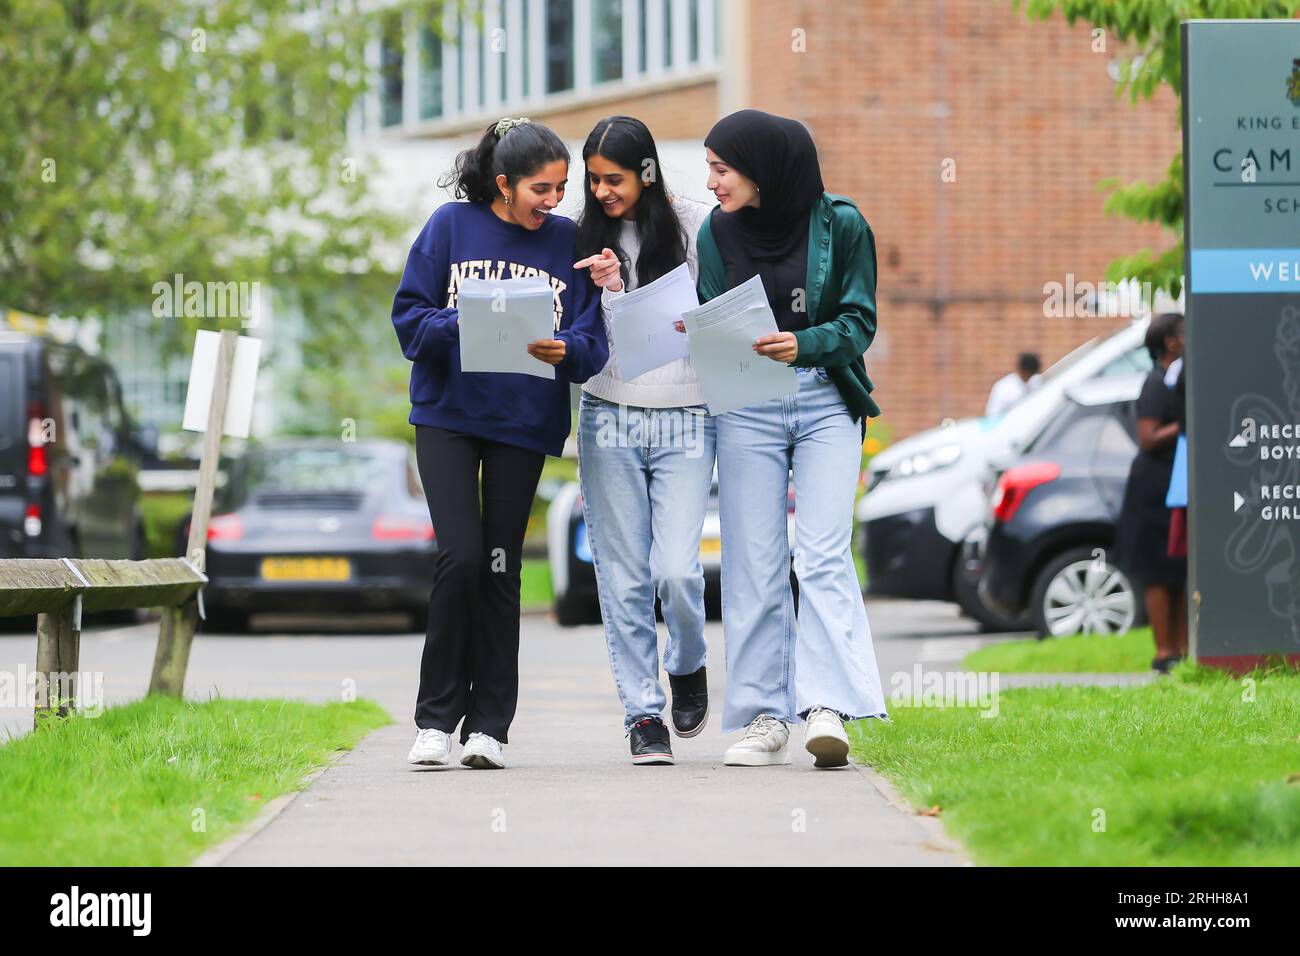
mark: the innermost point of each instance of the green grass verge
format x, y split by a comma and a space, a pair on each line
1190, 770
156, 782
162, 512
535, 583
1129, 652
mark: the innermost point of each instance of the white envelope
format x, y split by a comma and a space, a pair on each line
499, 318
643, 323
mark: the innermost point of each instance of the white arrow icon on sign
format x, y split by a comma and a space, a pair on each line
1237, 502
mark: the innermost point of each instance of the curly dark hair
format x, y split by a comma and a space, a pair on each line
521, 150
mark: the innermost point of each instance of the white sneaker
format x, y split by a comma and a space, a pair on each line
766, 742
431, 747
482, 752
824, 737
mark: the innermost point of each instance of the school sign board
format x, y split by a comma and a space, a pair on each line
1241, 160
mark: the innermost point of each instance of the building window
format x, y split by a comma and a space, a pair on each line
456, 58
460, 65
559, 45
390, 71
694, 46
501, 50
430, 74
524, 46
607, 41
641, 36
668, 32
483, 49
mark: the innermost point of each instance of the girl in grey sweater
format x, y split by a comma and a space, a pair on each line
645, 449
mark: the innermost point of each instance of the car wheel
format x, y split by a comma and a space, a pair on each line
1079, 591
126, 617
419, 615
573, 610
225, 620
712, 601
965, 589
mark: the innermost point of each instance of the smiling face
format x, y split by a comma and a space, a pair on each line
533, 196
615, 187
732, 189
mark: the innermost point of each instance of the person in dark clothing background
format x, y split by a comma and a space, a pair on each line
1178, 515
1142, 539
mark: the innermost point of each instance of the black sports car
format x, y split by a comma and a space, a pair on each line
319, 525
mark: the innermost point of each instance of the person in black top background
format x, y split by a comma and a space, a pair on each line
1178, 516
1142, 539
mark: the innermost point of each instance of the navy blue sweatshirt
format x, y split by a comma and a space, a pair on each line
465, 239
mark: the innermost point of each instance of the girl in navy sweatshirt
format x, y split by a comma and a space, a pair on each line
499, 424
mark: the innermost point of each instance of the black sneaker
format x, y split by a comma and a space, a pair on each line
690, 702
1163, 665
649, 739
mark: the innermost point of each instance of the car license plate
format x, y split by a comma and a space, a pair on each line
306, 569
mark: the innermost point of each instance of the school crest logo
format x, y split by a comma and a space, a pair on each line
1293, 84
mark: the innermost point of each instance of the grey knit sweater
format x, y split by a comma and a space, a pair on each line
670, 385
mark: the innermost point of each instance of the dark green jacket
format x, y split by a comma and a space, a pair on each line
840, 299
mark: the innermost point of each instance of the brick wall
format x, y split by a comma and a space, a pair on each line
1029, 114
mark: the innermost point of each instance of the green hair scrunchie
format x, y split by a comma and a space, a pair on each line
506, 124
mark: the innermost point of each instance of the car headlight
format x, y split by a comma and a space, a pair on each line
926, 461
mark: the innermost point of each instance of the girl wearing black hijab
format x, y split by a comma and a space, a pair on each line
816, 257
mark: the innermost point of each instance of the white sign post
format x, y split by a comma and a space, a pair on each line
219, 401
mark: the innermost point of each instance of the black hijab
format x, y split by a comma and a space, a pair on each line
778, 154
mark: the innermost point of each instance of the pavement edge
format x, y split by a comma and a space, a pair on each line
931, 826
218, 854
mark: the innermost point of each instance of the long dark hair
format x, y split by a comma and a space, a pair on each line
626, 141
1162, 326
521, 150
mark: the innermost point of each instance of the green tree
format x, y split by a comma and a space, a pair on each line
1150, 31
144, 138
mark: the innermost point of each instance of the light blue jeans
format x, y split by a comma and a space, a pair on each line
645, 476
776, 665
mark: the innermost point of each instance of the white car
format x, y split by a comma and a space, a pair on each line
929, 492
573, 574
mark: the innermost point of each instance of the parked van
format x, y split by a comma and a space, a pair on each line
69, 455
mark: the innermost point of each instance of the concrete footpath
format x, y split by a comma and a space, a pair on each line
570, 795
575, 801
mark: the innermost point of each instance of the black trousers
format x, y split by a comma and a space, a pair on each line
470, 666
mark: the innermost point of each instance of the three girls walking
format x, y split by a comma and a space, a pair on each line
645, 497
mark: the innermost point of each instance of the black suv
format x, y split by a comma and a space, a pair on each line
1052, 518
